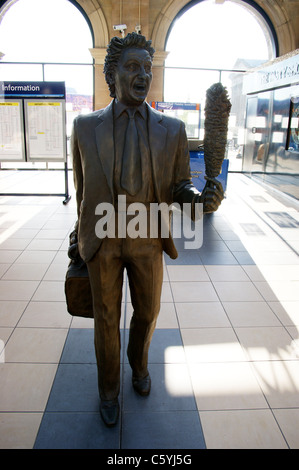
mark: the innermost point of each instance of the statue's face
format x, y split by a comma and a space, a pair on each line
133, 76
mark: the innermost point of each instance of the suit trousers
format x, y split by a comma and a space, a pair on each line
142, 259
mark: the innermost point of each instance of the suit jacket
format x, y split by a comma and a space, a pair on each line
92, 146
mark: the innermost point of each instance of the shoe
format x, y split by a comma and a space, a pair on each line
109, 410
142, 385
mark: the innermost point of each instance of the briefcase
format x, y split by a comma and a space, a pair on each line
77, 286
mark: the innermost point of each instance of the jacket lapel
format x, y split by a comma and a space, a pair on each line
105, 143
157, 141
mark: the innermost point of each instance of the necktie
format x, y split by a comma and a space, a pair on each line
131, 162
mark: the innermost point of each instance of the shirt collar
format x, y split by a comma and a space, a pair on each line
120, 107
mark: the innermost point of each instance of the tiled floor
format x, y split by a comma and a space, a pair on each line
224, 359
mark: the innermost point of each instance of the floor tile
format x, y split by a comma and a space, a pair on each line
224, 386
237, 291
201, 314
56, 272
17, 290
266, 343
59, 224
3, 268
76, 431
226, 273
74, 389
163, 430
24, 233
241, 429
287, 312
279, 290
187, 273
46, 315
17, 393
11, 311
41, 244
212, 345
272, 273
9, 256
26, 272
36, 256
250, 314
61, 257
48, 291
14, 244
288, 420
19, 430
167, 317
51, 234
43, 345
279, 381
275, 258
193, 292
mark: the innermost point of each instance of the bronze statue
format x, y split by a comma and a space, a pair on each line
128, 151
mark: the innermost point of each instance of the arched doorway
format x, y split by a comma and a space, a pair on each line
49, 40
217, 41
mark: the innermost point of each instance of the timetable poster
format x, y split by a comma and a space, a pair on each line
45, 130
11, 131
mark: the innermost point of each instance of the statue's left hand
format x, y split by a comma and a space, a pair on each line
73, 251
212, 195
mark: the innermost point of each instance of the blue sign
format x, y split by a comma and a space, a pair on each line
197, 167
161, 106
32, 90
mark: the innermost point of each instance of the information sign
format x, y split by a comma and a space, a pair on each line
32, 120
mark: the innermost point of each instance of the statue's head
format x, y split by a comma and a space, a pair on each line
128, 68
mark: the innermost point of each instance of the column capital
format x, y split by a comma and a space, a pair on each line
98, 54
159, 58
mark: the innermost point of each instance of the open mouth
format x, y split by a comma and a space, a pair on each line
140, 88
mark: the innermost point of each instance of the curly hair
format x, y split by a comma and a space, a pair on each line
114, 50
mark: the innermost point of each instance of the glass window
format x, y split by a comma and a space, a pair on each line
226, 35
21, 72
225, 39
45, 31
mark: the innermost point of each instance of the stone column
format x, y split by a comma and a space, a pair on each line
101, 91
157, 89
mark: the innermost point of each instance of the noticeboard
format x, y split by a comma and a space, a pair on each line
32, 121
45, 130
11, 131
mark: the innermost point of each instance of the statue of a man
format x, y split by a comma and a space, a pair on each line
128, 149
